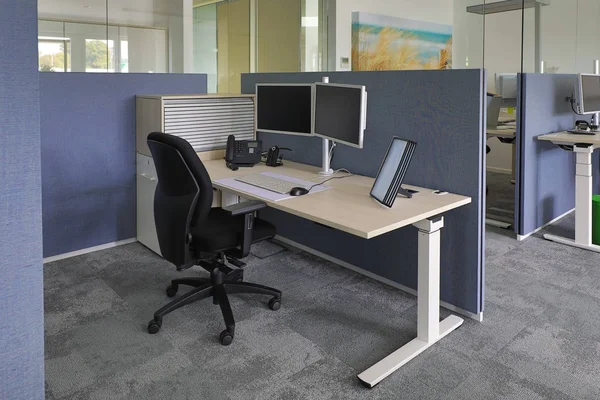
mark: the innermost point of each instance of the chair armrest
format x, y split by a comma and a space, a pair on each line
246, 207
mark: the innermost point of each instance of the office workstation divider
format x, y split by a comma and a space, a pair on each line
88, 154
443, 112
545, 172
21, 270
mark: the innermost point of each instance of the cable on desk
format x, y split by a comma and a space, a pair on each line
333, 177
334, 174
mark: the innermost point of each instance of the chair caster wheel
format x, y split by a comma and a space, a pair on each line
274, 304
172, 290
154, 327
225, 338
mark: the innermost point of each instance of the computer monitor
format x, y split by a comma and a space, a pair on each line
389, 179
587, 94
494, 104
506, 85
340, 113
284, 108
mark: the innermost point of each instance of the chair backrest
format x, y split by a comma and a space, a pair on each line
183, 196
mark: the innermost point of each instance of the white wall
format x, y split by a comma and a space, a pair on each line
571, 35
438, 11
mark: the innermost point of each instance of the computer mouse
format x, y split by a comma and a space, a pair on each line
298, 191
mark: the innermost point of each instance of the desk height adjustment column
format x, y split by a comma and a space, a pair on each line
583, 188
429, 328
583, 200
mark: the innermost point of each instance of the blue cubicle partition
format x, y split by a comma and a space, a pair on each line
442, 111
88, 154
21, 271
545, 173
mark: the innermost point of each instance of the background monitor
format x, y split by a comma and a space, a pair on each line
392, 171
284, 108
340, 113
506, 85
588, 94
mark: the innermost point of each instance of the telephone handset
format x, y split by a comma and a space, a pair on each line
242, 153
274, 156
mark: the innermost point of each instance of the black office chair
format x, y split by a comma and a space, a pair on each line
190, 232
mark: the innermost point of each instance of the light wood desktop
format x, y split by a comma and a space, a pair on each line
349, 208
583, 147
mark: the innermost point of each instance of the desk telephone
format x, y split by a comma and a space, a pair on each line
242, 153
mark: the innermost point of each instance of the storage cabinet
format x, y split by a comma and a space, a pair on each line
205, 121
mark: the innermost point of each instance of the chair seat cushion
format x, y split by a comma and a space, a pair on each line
220, 231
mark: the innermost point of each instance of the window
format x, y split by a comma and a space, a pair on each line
54, 54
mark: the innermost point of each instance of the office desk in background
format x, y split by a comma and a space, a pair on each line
583, 147
506, 136
509, 134
348, 207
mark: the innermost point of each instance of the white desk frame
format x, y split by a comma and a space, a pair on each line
429, 328
583, 147
355, 190
583, 202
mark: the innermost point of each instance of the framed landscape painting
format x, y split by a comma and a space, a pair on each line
382, 43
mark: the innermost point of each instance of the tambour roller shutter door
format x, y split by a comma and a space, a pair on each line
207, 122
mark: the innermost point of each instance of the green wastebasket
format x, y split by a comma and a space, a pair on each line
596, 219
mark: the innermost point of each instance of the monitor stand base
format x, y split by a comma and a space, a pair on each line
406, 193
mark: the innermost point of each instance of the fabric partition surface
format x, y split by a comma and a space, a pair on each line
88, 154
443, 112
546, 173
21, 271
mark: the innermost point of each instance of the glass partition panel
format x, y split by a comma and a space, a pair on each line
149, 35
467, 35
54, 48
205, 43
564, 38
91, 51
588, 36
278, 35
553, 38
220, 38
107, 36
312, 36
503, 41
62, 44
141, 49
233, 43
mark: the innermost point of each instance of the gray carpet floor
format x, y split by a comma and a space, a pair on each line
540, 338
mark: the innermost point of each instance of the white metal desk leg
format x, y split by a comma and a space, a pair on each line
429, 328
583, 202
583, 195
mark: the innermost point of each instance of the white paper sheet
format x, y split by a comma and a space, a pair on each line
267, 194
